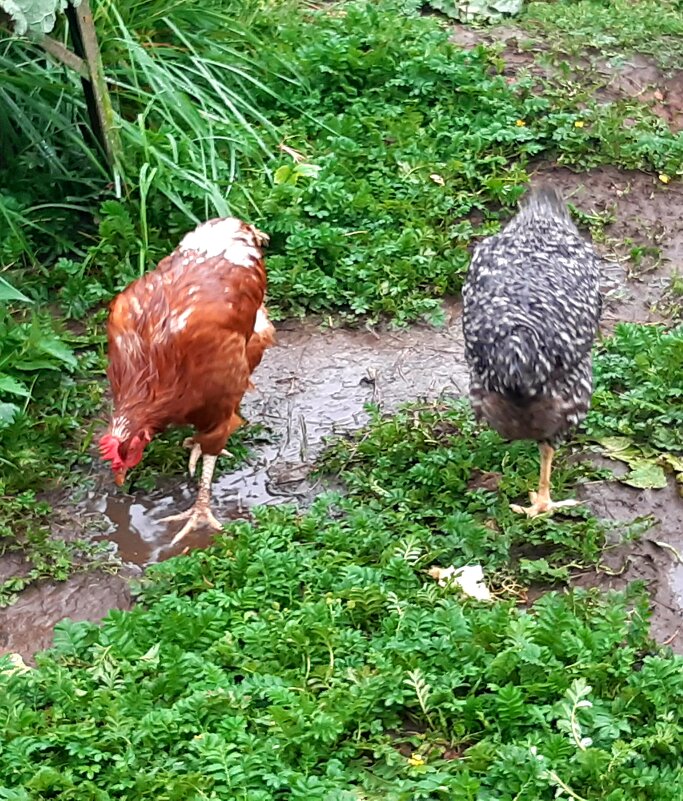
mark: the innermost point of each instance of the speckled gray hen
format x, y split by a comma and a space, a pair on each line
532, 307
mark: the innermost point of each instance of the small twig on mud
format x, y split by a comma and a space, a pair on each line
670, 639
303, 450
608, 570
509, 587
376, 392
667, 547
457, 386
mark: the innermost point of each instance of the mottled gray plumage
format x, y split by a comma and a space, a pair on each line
532, 306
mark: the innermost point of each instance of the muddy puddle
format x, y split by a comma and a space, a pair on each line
314, 384
28, 625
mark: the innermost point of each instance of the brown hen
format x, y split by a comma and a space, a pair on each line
183, 342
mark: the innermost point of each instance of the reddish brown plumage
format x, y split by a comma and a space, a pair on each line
182, 344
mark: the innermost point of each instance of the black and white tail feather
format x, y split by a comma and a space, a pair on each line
532, 302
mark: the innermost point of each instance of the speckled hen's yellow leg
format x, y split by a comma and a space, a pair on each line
540, 501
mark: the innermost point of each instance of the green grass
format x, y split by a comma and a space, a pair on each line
614, 28
637, 408
407, 139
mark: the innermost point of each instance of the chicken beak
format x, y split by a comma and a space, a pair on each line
120, 477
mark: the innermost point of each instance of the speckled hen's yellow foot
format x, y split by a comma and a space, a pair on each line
540, 501
541, 506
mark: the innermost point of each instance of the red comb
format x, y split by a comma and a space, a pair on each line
109, 448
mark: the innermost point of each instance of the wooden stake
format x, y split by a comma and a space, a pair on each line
98, 100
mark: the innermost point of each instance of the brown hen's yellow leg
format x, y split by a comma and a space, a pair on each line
540, 501
196, 452
200, 515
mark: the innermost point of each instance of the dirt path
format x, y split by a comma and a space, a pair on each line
316, 383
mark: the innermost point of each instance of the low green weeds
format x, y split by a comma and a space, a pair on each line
637, 410
409, 145
615, 28
308, 656
25, 530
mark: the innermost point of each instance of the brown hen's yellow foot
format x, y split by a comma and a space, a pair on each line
540, 501
198, 517
541, 506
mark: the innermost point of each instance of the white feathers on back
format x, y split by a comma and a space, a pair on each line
229, 238
179, 321
262, 322
120, 428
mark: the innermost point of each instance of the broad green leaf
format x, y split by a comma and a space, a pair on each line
466, 10
29, 365
59, 350
308, 170
7, 291
647, 475
13, 387
625, 450
675, 462
615, 444
282, 174
8, 412
34, 16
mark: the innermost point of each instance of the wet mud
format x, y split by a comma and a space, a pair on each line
642, 248
317, 382
633, 76
656, 558
28, 625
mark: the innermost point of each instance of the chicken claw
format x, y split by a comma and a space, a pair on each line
541, 506
540, 501
199, 516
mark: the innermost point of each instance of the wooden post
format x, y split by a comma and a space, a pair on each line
100, 110
85, 59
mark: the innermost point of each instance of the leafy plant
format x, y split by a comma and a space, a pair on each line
412, 147
298, 659
36, 16
477, 10
613, 28
27, 349
43, 556
637, 412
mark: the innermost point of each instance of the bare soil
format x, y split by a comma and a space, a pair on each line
656, 558
317, 382
634, 76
